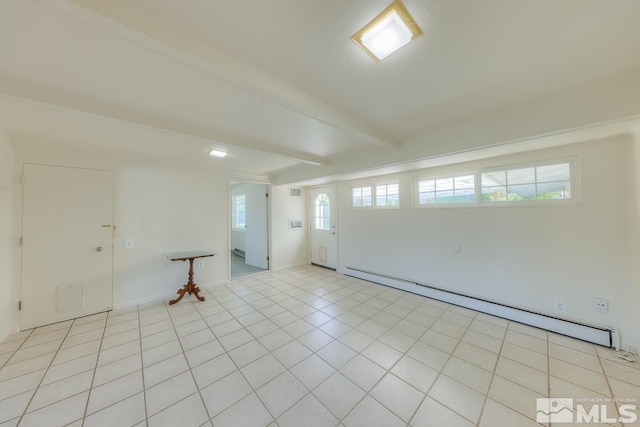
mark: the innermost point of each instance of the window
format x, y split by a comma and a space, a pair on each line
547, 182
361, 197
531, 182
458, 189
322, 212
239, 214
387, 195
379, 196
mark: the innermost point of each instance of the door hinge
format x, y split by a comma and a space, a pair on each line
19, 305
22, 179
267, 258
266, 195
20, 241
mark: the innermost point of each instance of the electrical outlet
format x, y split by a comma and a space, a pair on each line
457, 248
200, 263
559, 306
601, 305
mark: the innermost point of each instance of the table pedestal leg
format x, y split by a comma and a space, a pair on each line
190, 287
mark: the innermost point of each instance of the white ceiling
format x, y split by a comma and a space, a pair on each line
280, 84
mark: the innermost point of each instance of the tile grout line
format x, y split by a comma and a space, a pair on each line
606, 378
516, 361
91, 386
193, 376
310, 391
35, 391
493, 374
315, 352
359, 353
440, 371
144, 388
93, 377
253, 390
18, 349
388, 371
379, 310
286, 369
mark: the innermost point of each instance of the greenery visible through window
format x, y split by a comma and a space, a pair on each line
529, 183
361, 197
239, 214
322, 217
459, 189
387, 195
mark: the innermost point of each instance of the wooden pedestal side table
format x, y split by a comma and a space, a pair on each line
190, 287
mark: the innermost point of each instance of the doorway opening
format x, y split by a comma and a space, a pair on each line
249, 228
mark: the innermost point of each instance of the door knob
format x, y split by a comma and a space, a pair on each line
99, 249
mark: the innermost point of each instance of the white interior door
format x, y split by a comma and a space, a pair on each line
323, 211
6, 304
257, 233
67, 246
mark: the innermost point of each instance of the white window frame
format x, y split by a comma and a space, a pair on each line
234, 212
375, 195
574, 180
418, 180
371, 188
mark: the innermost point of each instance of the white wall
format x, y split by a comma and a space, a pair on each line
289, 246
165, 210
6, 203
524, 256
162, 208
634, 227
237, 240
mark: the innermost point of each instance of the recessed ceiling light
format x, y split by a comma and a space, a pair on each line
218, 153
392, 29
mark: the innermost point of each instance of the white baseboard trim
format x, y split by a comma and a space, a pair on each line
5, 333
212, 285
300, 264
145, 300
157, 297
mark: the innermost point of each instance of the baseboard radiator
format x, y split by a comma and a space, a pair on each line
238, 252
605, 336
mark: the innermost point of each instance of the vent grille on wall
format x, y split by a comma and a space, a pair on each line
295, 223
69, 297
295, 192
322, 253
602, 335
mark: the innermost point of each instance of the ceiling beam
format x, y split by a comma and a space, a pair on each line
150, 33
20, 89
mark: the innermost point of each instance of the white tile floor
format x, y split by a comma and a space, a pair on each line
298, 347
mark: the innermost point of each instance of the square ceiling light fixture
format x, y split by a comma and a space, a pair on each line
218, 153
392, 29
